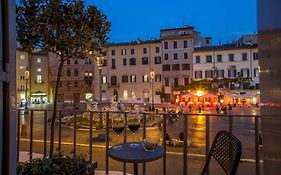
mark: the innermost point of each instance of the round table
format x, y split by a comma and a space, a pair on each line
135, 155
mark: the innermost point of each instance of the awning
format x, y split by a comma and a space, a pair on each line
189, 96
210, 95
39, 94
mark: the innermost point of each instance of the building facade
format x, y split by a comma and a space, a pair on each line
178, 45
134, 72
32, 78
232, 61
76, 83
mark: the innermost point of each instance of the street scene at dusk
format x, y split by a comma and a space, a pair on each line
140, 87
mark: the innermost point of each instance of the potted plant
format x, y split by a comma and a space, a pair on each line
57, 165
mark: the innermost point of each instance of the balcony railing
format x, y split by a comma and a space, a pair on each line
204, 124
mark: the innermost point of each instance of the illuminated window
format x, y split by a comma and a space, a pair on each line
38, 60
133, 78
104, 80
125, 94
22, 67
145, 78
39, 70
39, 78
22, 57
133, 94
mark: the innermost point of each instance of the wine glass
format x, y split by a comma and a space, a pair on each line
134, 125
118, 125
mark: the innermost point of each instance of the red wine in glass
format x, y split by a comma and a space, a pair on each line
118, 129
134, 127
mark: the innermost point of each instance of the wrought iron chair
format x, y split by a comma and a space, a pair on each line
226, 150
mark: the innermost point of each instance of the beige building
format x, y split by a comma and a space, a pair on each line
76, 85
178, 45
32, 78
232, 61
134, 72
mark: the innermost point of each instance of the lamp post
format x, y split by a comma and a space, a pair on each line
99, 60
152, 74
26, 74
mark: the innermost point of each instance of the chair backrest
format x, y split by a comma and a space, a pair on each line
226, 150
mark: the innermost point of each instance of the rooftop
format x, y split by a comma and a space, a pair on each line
137, 42
232, 46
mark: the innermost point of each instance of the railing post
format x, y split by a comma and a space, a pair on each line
185, 124
230, 124
164, 143
125, 140
31, 136
60, 116
18, 133
91, 138
207, 140
74, 133
45, 133
143, 137
107, 144
257, 156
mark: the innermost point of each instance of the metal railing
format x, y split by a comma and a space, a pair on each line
107, 114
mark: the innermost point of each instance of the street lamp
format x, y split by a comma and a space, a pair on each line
99, 60
152, 74
26, 74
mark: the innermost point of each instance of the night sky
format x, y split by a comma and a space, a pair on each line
220, 19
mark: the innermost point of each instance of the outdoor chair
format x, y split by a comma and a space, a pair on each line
226, 150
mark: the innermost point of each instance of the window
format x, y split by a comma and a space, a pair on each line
88, 75
144, 50
157, 60
186, 81
256, 72
166, 67
39, 79
123, 52
113, 66
113, 80
175, 67
219, 58
175, 56
157, 49
132, 61
244, 56
185, 66
124, 79
145, 78
208, 74
175, 44
76, 73
145, 60
68, 84
22, 68
176, 82
104, 79
167, 83
158, 78
209, 59
112, 52
22, 77
75, 61
166, 45
166, 56
185, 44
197, 59
39, 70
245, 72
133, 78
198, 74
124, 61
220, 73
38, 60
231, 57
231, 73
88, 61
68, 72
22, 57
125, 95
255, 56
68, 62
132, 51
104, 63
75, 83
133, 94
185, 55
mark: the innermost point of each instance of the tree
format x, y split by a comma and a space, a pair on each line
68, 29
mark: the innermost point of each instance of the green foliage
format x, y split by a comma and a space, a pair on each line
57, 165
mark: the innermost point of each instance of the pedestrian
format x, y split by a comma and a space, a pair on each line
218, 109
164, 109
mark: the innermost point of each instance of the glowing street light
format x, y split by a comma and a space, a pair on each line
152, 75
26, 74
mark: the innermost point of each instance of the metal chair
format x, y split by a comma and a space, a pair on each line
226, 150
